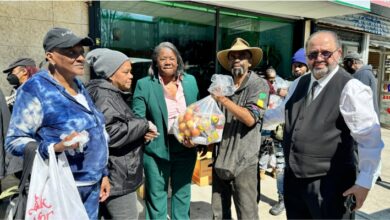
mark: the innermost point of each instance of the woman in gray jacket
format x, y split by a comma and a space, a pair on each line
127, 132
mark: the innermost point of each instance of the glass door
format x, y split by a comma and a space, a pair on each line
385, 91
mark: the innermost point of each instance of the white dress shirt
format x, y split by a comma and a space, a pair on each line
357, 109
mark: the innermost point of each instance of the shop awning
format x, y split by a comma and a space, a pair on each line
297, 9
376, 43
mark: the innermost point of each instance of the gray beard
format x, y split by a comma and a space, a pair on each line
237, 71
318, 74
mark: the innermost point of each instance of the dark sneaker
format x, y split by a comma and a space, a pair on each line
277, 209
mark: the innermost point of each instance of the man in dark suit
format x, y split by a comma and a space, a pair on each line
324, 112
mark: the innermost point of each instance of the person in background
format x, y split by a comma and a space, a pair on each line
274, 139
54, 103
298, 68
4, 121
324, 113
298, 64
18, 72
161, 97
127, 132
267, 156
236, 157
353, 64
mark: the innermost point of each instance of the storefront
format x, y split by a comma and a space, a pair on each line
197, 30
379, 58
369, 35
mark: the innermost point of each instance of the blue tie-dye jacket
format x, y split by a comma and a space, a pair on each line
44, 111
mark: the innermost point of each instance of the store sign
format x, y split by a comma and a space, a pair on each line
363, 22
385, 3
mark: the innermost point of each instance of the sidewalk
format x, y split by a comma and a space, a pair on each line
377, 205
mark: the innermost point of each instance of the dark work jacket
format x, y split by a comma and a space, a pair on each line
126, 133
4, 121
9, 164
316, 138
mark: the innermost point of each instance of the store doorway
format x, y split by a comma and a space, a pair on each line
379, 58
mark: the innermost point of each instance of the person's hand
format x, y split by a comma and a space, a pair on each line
202, 151
218, 98
104, 189
282, 92
60, 147
152, 132
188, 143
152, 127
150, 135
360, 195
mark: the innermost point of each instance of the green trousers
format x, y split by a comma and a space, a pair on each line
158, 174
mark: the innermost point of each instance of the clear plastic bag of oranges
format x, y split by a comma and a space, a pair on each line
203, 121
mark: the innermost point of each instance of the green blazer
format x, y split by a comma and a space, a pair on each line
149, 102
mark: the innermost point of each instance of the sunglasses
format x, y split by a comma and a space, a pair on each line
70, 52
232, 56
324, 54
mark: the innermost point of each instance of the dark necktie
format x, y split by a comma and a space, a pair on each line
310, 95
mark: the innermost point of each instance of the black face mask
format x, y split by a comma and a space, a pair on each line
13, 80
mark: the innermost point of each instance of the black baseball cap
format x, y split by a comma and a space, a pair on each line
63, 38
24, 61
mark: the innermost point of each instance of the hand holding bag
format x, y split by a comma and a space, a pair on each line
53, 193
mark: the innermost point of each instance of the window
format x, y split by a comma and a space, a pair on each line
136, 27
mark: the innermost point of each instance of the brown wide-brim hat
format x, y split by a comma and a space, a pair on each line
239, 44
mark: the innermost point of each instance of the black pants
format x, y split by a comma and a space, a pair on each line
318, 197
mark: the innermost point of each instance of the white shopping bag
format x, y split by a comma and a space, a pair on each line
53, 193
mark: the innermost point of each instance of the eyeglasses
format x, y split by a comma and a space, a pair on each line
324, 54
271, 79
232, 56
70, 52
348, 60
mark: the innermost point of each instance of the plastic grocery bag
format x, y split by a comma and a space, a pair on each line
221, 85
274, 101
53, 193
203, 121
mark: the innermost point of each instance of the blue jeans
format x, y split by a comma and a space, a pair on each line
280, 164
90, 198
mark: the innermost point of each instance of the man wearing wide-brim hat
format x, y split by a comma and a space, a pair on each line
235, 171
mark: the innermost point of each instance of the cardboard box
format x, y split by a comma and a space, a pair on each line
203, 172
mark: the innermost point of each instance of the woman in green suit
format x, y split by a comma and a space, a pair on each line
161, 97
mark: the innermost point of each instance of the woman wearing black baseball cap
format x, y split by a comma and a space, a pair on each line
60, 107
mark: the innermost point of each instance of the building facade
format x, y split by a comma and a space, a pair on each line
200, 28
197, 28
23, 25
368, 34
